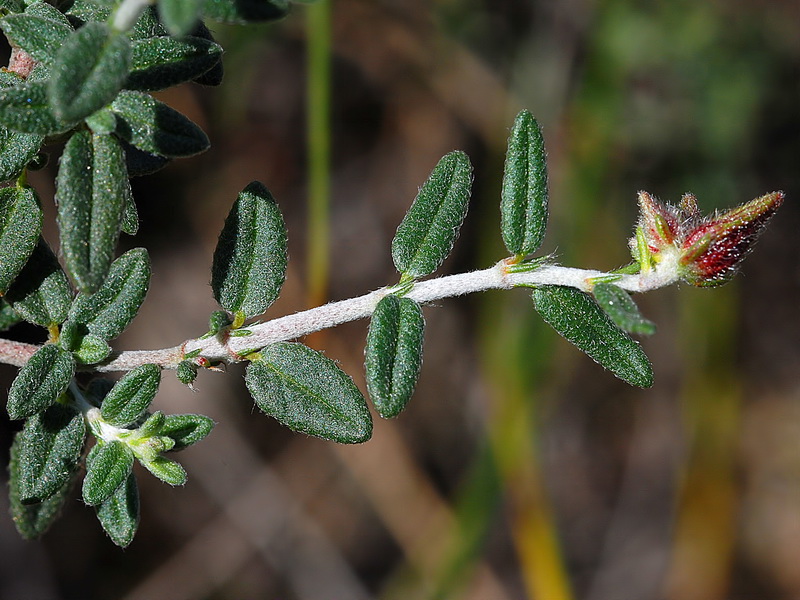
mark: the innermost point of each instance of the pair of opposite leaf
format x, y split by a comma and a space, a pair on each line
299, 386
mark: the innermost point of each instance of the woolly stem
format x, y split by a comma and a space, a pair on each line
232, 349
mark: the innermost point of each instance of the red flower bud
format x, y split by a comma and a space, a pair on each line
705, 251
712, 251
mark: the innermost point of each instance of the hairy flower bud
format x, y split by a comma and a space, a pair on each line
705, 251
712, 251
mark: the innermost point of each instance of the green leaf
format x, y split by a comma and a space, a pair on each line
89, 70
578, 318
249, 265
102, 121
214, 75
41, 293
142, 163
119, 514
161, 62
40, 37
107, 467
166, 470
148, 25
40, 382
618, 305
20, 225
307, 392
179, 16
186, 429
16, 151
32, 520
48, 11
394, 353
186, 372
129, 399
430, 228
155, 128
48, 450
82, 11
91, 350
13, 6
130, 216
10, 78
523, 204
245, 11
152, 426
111, 308
26, 108
91, 190
8, 316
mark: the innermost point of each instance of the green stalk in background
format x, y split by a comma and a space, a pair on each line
318, 140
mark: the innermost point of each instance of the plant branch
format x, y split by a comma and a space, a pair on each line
233, 348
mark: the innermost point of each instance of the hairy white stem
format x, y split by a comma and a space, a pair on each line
232, 349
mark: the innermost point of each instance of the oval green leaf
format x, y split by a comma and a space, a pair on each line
107, 467
166, 470
32, 520
524, 197
186, 430
91, 350
41, 293
141, 163
16, 151
44, 9
249, 265
430, 228
88, 71
26, 108
578, 318
20, 225
129, 398
307, 392
161, 62
155, 128
40, 382
119, 514
48, 450
92, 190
214, 75
619, 305
111, 308
8, 316
393, 354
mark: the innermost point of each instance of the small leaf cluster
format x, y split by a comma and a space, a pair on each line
46, 453
81, 76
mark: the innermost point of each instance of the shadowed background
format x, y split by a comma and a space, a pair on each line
520, 469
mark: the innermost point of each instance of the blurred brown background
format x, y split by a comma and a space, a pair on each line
520, 469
